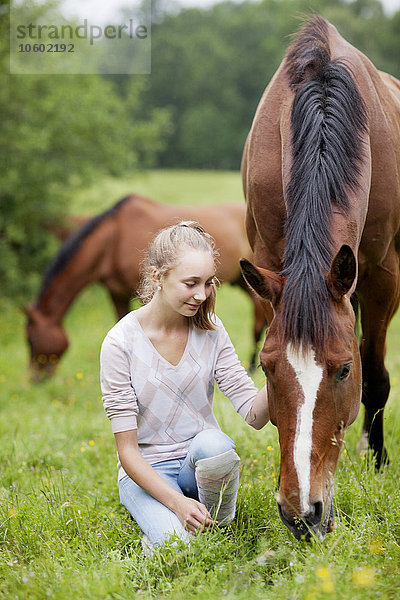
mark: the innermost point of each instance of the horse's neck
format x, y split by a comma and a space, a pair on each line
62, 291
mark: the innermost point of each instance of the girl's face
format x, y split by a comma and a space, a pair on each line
189, 283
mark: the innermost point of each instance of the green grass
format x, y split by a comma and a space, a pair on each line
63, 533
172, 187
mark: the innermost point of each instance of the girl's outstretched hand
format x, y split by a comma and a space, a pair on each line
193, 514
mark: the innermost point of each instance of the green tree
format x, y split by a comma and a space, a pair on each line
57, 132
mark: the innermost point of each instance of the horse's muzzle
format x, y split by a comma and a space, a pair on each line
40, 373
317, 522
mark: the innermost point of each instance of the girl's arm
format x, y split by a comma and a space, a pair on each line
192, 514
258, 415
235, 383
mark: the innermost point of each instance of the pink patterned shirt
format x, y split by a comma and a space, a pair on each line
167, 404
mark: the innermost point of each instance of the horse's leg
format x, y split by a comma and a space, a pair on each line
379, 296
121, 304
259, 321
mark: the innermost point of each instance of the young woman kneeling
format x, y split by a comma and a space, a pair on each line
178, 472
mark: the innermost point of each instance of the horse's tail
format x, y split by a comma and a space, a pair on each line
328, 122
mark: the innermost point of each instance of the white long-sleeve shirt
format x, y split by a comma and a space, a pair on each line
168, 404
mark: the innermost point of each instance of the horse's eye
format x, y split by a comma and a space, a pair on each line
343, 372
264, 370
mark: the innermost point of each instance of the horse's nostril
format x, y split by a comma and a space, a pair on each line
318, 509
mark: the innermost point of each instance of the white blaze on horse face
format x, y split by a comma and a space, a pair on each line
309, 376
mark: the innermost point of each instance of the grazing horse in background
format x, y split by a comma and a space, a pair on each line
110, 248
321, 173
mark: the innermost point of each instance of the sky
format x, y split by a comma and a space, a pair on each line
390, 6
107, 11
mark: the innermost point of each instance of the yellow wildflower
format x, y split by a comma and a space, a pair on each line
375, 546
91, 443
324, 574
364, 576
327, 586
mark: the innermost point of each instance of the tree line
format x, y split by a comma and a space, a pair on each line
210, 67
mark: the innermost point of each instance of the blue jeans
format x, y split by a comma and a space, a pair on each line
156, 520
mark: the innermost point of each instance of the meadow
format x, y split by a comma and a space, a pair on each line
63, 533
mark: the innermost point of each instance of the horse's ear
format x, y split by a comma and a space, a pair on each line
342, 273
267, 284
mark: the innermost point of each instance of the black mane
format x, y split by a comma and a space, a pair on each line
72, 245
328, 121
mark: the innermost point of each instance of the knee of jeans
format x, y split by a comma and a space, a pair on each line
209, 443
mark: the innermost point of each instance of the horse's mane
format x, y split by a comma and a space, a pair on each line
328, 120
72, 245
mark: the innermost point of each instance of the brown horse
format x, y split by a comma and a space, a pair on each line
109, 248
321, 172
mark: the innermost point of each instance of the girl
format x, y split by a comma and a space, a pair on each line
178, 472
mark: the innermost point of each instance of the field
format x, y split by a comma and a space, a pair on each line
63, 533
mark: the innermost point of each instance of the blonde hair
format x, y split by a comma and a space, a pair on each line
163, 255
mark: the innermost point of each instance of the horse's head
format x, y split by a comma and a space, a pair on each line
47, 341
313, 396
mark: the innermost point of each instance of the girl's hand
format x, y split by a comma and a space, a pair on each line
258, 414
192, 514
